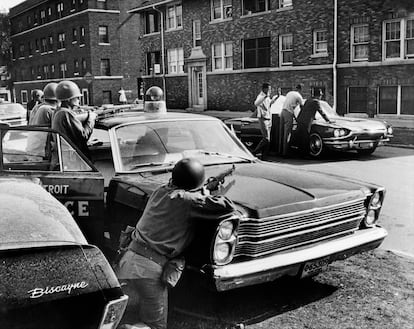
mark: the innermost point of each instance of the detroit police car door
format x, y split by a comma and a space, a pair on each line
61, 169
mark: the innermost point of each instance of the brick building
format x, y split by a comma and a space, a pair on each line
215, 54
79, 40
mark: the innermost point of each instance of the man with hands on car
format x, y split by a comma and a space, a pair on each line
153, 261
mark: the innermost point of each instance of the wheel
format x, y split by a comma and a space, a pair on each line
315, 145
367, 151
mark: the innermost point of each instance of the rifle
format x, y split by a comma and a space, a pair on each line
214, 182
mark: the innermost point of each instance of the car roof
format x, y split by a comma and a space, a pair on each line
31, 217
136, 116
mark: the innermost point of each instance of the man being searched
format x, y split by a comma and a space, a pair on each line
293, 99
163, 232
306, 117
263, 103
65, 120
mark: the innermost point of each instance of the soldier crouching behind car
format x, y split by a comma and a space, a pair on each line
153, 261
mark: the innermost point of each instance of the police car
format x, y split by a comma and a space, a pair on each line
291, 221
14, 114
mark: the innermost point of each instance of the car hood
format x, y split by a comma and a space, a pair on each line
267, 189
356, 124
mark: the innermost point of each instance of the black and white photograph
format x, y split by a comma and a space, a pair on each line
215, 164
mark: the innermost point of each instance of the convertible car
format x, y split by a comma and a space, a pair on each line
291, 222
50, 277
342, 134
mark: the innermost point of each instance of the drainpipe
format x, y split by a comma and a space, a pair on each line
162, 52
335, 59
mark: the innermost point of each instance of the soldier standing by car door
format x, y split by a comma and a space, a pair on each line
42, 115
306, 117
162, 234
263, 103
293, 99
78, 129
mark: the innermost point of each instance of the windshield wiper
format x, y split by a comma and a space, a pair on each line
225, 155
150, 164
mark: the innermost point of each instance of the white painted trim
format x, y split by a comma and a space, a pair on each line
66, 17
46, 80
378, 63
109, 77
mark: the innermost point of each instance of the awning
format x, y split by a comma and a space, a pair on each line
147, 5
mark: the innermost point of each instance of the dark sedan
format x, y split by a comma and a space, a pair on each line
50, 277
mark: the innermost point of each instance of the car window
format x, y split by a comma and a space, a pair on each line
37, 150
169, 141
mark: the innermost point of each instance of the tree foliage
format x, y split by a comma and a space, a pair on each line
4, 37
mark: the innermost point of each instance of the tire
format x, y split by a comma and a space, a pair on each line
315, 145
367, 151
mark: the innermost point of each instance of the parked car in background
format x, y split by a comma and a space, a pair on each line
14, 114
342, 134
50, 277
291, 221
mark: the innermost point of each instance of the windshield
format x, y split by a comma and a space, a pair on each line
166, 142
327, 109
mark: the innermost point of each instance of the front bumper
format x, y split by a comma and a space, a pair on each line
267, 269
353, 144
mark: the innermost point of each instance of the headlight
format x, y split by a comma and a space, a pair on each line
225, 240
374, 204
390, 130
337, 133
342, 132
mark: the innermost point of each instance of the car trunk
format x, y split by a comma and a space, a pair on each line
65, 286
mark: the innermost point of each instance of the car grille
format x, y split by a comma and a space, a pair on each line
369, 136
259, 237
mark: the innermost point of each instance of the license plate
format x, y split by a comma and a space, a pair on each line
313, 267
366, 145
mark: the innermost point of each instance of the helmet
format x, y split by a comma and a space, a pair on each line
49, 91
66, 90
154, 100
188, 174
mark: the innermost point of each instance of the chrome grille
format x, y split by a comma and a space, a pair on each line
370, 136
258, 237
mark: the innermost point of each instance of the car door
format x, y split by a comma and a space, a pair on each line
52, 160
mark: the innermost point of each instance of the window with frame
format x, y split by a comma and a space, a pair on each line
360, 42
357, 99
46, 71
42, 16
398, 39
50, 44
29, 20
152, 22
407, 100
59, 10
101, 4
23, 96
52, 70
320, 42
388, 99
63, 70
285, 4
30, 48
174, 16
152, 57
49, 11
61, 41
75, 67
73, 5
255, 6
175, 60
74, 35
21, 50
82, 35
35, 18
103, 34
37, 45
197, 33
106, 97
222, 54
44, 46
221, 9
256, 52
105, 67
286, 49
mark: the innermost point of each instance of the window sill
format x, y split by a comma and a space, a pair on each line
22, 57
81, 45
319, 55
30, 56
74, 42
217, 21
104, 44
75, 74
44, 53
359, 60
256, 14
221, 70
174, 29
286, 64
151, 34
50, 52
61, 49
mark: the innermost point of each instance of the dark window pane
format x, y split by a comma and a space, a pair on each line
357, 100
257, 52
388, 100
407, 100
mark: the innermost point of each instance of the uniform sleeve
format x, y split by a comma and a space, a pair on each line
77, 129
210, 207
